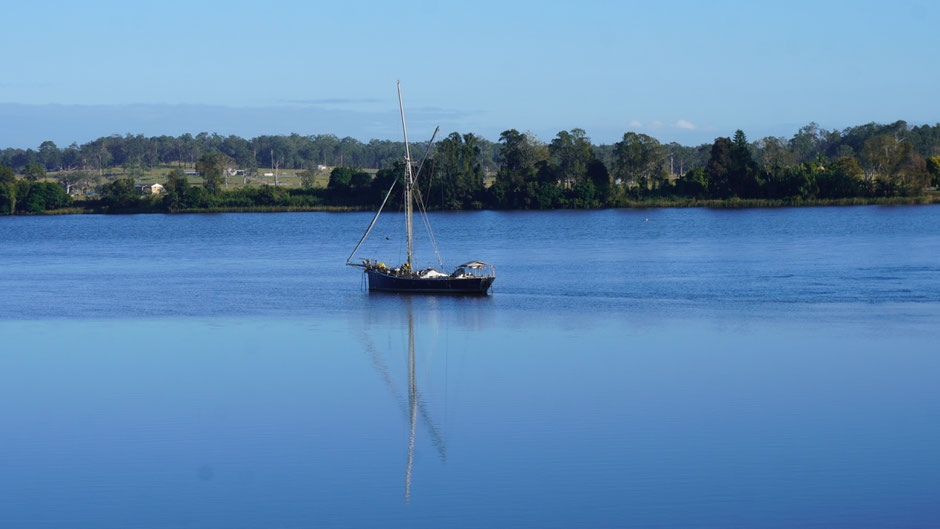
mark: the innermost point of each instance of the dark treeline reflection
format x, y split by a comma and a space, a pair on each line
465, 171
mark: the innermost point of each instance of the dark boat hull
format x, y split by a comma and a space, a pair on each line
379, 282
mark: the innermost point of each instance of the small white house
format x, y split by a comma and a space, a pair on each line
152, 189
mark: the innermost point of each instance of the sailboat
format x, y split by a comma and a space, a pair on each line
473, 277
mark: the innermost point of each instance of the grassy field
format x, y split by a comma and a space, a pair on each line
157, 175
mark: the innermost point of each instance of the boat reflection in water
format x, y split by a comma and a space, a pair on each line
412, 401
416, 408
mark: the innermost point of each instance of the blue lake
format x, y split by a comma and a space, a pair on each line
649, 368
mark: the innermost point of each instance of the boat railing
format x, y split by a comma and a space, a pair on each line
475, 269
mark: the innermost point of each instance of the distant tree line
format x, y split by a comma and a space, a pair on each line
569, 171
519, 171
132, 153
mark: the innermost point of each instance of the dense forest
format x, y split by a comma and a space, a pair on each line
465, 171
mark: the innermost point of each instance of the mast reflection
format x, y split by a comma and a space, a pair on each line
414, 406
412, 399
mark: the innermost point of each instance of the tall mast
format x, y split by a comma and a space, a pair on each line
409, 180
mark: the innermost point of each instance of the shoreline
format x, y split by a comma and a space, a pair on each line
733, 203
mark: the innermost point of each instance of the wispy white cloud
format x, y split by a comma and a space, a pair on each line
683, 124
332, 101
656, 124
635, 124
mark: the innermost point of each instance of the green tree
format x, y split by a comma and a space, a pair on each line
120, 195
43, 196
35, 202
718, 167
638, 160
518, 155
55, 196
383, 182
933, 168
516, 161
806, 143
99, 154
456, 164
360, 179
6, 174
67, 180
50, 155
898, 168
308, 178
911, 176
583, 195
34, 171
7, 190
743, 174
238, 150
571, 152
774, 154
545, 195
842, 178
692, 184
210, 167
7, 198
798, 181
21, 191
198, 197
598, 176
177, 191
881, 155
340, 180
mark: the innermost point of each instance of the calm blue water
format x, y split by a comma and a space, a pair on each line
660, 368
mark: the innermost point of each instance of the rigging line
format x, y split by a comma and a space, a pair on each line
381, 367
426, 152
437, 438
372, 224
427, 224
424, 158
428, 192
430, 180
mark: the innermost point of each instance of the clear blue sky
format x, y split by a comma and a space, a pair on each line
683, 71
